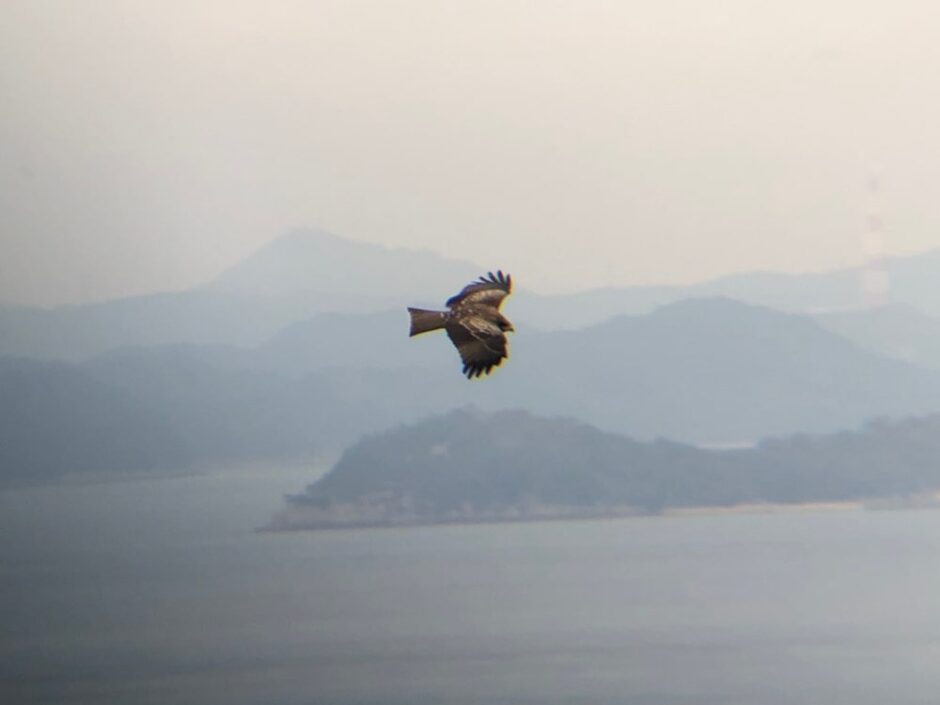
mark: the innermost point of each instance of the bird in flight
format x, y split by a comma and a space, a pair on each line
473, 323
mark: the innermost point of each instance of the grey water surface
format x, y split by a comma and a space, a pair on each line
160, 591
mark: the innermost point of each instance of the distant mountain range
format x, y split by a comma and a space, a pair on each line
308, 272
717, 370
897, 331
710, 372
472, 466
293, 278
258, 365
59, 423
317, 263
912, 280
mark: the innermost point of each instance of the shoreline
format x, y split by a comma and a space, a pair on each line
287, 525
848, 505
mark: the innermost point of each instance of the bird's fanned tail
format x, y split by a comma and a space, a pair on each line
423, 321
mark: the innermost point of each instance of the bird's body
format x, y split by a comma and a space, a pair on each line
473, 323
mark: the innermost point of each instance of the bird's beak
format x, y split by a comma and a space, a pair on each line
511, 329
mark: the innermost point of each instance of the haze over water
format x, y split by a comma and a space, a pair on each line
160, 591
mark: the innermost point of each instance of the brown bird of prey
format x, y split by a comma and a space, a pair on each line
474, 324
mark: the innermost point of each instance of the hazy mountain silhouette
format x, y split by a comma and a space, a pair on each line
76, 332
57, 422
898, 331
308, 272
319, 263
472, 466
345, 340
699, 371
226, 410
292, 278
913, 281
705, 371
719, 370
259, 365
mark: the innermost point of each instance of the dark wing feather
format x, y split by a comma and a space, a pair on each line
481, 344
490, 290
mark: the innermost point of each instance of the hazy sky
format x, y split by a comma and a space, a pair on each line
147, 145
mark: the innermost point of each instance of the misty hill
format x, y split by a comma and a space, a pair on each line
712, 370
57, 422
310, 272
323, 264
472, 466
293, 278
719, 370
227, 410
912, 279
76, 332
897, 331
345, 340
707, 371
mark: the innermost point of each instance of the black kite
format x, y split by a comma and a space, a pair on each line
474, 324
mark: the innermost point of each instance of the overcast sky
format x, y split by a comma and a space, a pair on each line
147, 145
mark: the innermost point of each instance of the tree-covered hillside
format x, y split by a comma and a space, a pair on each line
470, 465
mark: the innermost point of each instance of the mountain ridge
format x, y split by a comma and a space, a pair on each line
283, 282
710, 371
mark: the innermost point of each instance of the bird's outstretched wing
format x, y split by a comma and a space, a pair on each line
480, 342
489, 290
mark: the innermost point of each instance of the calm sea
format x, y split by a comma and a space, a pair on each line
161, 592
